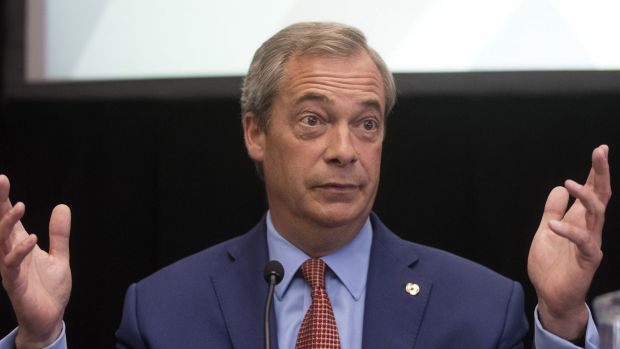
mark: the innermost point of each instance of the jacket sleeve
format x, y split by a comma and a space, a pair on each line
515, 324
128, 334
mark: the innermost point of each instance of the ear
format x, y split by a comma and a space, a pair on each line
253, 136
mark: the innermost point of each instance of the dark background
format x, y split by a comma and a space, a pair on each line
151, 180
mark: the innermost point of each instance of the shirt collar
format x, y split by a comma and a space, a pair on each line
349, 264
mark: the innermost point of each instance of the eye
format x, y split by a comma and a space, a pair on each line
370, 125
311, 120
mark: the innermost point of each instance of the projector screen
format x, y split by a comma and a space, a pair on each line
93, 40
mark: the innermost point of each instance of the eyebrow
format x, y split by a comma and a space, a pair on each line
373, 103
314, 96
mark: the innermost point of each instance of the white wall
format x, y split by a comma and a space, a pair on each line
129, 39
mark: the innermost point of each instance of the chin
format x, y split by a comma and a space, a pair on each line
334, 216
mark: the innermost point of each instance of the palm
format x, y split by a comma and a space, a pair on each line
558, 269
41, 289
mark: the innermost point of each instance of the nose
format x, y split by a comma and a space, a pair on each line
340, 150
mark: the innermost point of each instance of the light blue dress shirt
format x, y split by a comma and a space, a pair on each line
547, 340
8, 342
345, 281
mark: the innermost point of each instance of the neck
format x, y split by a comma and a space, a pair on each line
317, 240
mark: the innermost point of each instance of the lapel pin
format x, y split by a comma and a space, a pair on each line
412, 289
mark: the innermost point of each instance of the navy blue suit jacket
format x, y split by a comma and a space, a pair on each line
215, 299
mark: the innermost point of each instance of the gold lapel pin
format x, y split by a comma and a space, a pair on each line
412, 289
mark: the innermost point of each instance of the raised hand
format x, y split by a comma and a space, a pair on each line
566, 250
38, 283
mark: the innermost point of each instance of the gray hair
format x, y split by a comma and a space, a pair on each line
262, 83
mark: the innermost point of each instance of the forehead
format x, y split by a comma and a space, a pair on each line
354, 76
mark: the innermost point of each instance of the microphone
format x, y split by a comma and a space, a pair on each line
274, 272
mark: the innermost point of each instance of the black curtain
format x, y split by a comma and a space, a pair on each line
152, 181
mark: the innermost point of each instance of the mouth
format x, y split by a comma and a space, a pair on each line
338, 187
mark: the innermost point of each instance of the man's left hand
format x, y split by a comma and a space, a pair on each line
566, 250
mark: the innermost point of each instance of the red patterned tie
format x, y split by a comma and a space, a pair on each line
318, 329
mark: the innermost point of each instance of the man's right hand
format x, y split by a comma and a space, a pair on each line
38, 283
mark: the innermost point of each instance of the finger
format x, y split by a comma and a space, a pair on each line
20, 251
599, 178
556, 205
588, 198
7, 224
60, 228
600, 164
5, 188
5, 202
584, 242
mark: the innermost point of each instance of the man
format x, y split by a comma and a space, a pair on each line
314, 107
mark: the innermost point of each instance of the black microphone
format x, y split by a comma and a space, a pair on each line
274, 272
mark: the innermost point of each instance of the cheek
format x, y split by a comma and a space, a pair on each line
372, 159
290, 164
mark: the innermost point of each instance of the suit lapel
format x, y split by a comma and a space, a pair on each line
392, 316
241, 290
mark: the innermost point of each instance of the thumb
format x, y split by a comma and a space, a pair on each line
556, 205
60, 227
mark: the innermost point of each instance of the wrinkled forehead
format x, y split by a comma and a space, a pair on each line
348, 74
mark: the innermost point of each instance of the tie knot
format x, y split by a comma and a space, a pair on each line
313, 271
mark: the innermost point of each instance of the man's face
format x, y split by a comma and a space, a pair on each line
321, 154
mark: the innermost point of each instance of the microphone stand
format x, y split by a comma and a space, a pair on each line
272, 284
274, 272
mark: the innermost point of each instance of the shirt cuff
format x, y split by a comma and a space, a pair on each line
544, 339
8, 342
